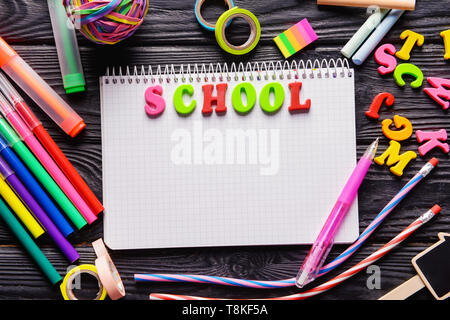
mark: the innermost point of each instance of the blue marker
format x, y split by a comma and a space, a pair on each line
34, 188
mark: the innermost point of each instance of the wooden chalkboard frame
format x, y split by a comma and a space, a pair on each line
441, 236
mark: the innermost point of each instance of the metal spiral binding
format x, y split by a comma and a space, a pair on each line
220, 72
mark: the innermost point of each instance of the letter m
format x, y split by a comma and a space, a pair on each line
393, 156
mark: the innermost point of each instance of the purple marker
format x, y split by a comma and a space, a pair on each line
7, 174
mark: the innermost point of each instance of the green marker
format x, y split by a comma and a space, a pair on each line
41, 174
28, 243
67, 47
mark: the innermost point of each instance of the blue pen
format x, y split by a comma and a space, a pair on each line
34, 188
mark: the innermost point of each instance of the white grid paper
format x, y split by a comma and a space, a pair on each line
152, 203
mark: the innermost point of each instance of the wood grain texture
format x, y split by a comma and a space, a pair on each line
171, 35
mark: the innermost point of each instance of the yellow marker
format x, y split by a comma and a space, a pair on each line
399, 122
446, 36
21, 211
412, 38
392, 155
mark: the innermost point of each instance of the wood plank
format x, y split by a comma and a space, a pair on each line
85, 151
20, 279
173, 22
170, 35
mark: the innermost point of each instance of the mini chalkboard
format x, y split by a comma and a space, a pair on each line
433, 268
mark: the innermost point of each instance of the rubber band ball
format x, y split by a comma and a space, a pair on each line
107, 21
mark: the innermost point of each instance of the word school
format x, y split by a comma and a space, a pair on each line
155, 103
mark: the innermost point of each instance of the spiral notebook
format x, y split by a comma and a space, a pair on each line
255, 178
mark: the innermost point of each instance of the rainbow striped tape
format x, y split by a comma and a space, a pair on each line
295, 38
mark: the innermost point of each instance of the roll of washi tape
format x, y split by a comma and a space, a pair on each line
198, 14
67, 284
255, 31
107, 271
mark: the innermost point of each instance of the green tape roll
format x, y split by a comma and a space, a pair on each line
255, 31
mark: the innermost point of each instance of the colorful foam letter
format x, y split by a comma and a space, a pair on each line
385, 57
209, 99
264, 97
411, 70
374, 109
178, 99
434, 139
446, 36
393, 157
399, 122
296, 106
440, 91
412, 38
155, 102
236, 98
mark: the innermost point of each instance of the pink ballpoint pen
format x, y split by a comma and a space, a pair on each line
322, 246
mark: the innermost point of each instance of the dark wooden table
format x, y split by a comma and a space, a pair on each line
170, 34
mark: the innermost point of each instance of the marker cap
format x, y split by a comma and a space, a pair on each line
6, 52
74, 82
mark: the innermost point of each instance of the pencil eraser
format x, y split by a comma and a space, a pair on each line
434, 162
436, 209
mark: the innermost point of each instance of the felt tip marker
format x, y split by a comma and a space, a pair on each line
20, 210
40, 173
49, 144
67, 47
16, 121
35, 189
44, 96
7, 174
28, 243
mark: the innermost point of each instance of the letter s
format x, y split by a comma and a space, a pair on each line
155, 102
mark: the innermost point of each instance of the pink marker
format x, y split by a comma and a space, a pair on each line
40, 153
322, 246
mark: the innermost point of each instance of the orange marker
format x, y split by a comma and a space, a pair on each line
45, 97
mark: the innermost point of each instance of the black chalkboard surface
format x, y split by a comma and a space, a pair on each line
433, 267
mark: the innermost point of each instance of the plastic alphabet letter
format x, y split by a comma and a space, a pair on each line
236, 98
393, 157
385, 57
411, 70
155, 102
399, 122
434, 139
374, 109
178, 99
264, 97
412, 38
209, 99
440, 91
446, 36
296, 106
